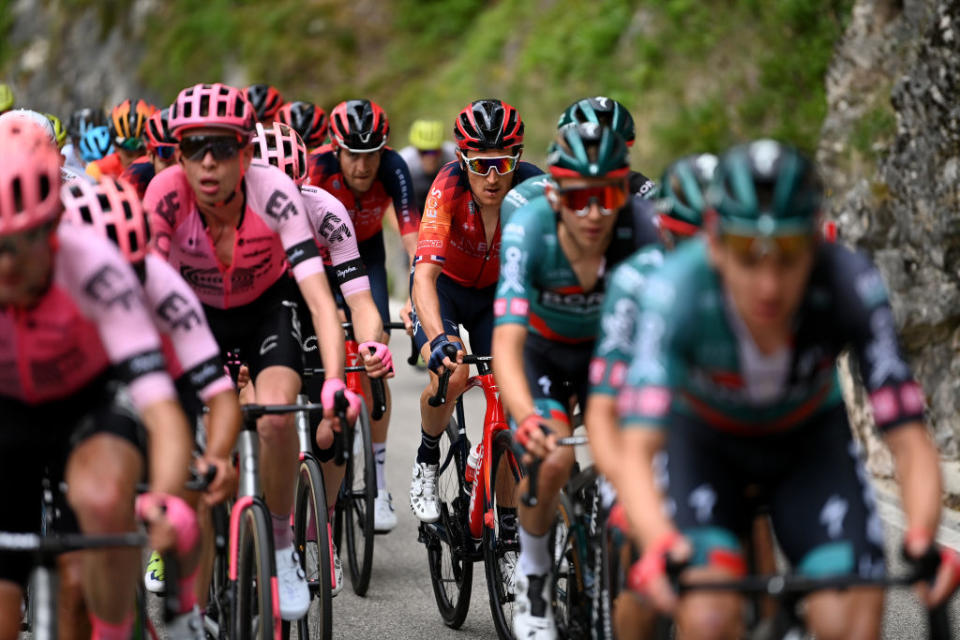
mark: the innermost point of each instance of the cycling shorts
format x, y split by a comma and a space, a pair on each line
38, 437
555, 372
813, 482
374, 257
460, 305
266, 332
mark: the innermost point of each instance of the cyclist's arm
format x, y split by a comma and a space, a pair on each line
507, 349
636, 486
161, 202
918, 469
425, 298
326, 323
367, 323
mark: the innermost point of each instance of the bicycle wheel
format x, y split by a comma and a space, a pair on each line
355, 505
254, 617
310, 536
217, 616
500, 555
571, 596
449, 547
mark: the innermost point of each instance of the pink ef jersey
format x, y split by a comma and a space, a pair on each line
92, 316
272, 230
336, 239
188, 344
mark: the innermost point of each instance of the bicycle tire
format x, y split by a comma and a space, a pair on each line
310, 504
447, 540
254, 617
218, 600
355, 505
569, 572
495, 553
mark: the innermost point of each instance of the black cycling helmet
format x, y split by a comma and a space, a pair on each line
488, 124
82, 120
266, 100
601, 110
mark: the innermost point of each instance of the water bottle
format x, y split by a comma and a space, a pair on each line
473, 462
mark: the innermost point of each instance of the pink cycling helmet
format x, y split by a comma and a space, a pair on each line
282, 147
113, 208
29, 177
211, 105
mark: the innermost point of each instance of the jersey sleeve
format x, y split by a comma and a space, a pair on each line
656, 362
518, 253
434, 235
108, 293
618, 321
273, 194
178, 314
396, 179
334, 230
863, 304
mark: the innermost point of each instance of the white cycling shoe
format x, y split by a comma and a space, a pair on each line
384, 517
533, 616
186, 626
292, 585
423, 492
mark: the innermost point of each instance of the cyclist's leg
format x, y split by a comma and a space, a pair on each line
11, 595
826, 521
704, 490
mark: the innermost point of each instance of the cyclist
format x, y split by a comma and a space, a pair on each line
427, 152
160, 146
556, 252
74, 326
96, 144
280, 146
599, 110
80, 121
372, 181
224, 225
736, 351
457, 263
308, 120
127, 122
681, 204
26, 116
266, 102
6, 98
113, 209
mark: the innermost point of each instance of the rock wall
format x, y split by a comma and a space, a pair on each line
890, 152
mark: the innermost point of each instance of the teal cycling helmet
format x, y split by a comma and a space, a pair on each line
766, 188
96, 143
682, 197
601, 110
588, 150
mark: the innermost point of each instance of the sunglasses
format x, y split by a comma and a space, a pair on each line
788, 247
483, 166
608, 197
429, 152
129, 144
165, 151
222, 147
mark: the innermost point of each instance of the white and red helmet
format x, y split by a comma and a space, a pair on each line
113, 208
211, 105
282, 147
29, 177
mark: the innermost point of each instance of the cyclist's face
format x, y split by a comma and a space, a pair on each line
127, 157
360, 169
766, 289
26, 260
491, 189
430, 161
214, 180
159, 164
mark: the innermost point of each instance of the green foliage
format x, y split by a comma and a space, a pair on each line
6, 27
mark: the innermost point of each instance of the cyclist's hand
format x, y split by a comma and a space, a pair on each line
328, 399
438, 359
948, 572
648, 576
537, 438
243, 377
379, 363
224, 483
406, 316
170, 520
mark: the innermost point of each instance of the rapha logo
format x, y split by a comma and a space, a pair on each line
108, 286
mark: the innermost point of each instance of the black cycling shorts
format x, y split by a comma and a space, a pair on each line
264, 332
812, 481
555, 372
35, 438
460, 305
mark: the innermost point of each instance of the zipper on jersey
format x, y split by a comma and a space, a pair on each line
486, 256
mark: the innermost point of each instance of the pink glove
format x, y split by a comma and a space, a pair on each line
380, 351
330, 388
178, 512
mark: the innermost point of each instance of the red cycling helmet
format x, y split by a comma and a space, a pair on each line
488, 124
359, 125
113, 208
307, 119
29, 177
211, 105
158, 130
282, 147
266, 100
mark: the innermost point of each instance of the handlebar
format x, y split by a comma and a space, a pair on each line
340, 405
529, 498
414, 356
440, 398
